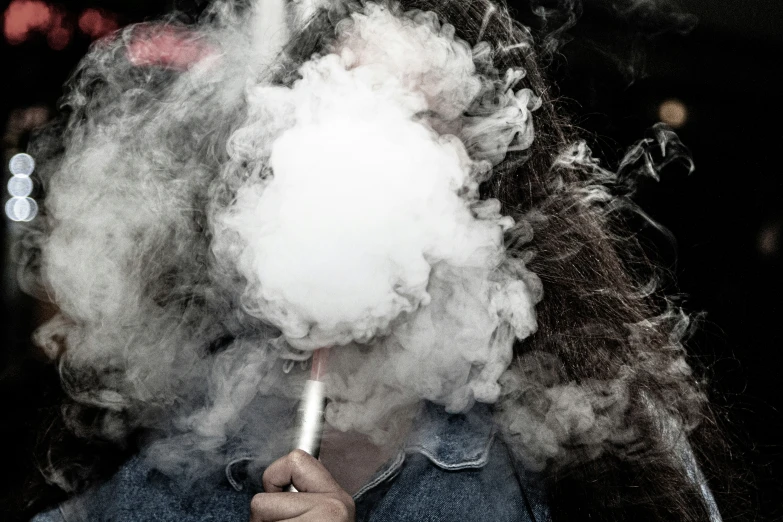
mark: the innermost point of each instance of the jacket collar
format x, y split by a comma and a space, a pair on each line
453, 441
450, 441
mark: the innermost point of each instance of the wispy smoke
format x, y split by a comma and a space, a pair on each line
624, 41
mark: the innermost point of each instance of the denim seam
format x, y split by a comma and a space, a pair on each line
389, 472
62, 512
230, 475
478, 462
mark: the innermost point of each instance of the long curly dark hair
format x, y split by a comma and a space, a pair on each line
603, 316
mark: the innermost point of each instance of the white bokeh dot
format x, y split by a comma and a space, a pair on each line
20, 186
21, 164
21, 209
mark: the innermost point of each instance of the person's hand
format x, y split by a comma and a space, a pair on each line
319, 499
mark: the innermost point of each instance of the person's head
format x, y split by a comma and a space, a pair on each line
171, 322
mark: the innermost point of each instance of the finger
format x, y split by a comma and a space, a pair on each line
301, 470
314, 516
329, 509
269, 507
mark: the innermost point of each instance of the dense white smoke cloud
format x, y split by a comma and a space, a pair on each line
362, 197
366, 226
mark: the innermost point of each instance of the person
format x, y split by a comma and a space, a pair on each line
602, 403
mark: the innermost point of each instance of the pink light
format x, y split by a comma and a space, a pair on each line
320, 358
60, 31
167, 47
97, 23
24, 16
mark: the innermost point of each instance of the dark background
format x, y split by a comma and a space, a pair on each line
727, 216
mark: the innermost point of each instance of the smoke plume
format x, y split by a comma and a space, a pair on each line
224, 207
229, 196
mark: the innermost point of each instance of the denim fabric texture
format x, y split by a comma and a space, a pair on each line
454, 468
139, 494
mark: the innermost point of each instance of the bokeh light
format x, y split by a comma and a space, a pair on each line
673, 112
21, 164
21, 209
22, 18
60, 31
769, 238
25, 16
20, 186
166, 47
97, 23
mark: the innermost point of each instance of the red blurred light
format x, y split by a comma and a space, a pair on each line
96, 23
25, 16
167, 47
60, 32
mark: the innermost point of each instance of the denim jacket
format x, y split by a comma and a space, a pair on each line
453, 468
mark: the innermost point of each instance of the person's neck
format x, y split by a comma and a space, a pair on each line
352, 458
